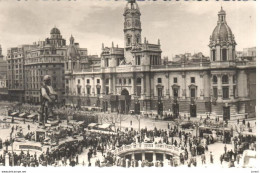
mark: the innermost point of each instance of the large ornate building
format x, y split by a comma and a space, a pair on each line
3, 71
134, 77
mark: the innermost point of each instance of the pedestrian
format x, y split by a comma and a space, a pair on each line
211, 157
225, 148
221, 159
28, 126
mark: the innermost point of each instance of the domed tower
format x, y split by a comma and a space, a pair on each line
56, 38
222, 41
132, 24
55, 33
72, 56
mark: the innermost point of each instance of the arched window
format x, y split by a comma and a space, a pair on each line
224, 54
225, 79
215, 80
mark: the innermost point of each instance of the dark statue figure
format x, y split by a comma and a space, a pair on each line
48, 98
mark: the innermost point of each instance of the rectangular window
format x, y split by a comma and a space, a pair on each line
138, 90
234, 79
175, 80
192, 80
107, 90
107, 62
215, 92
159, 80
88, 81
175, 92
138, 60
98, 81
78, 81
159, 92
192, 92
67, 81
107, 81
214, 55
88, 91
224, 54
98, 91
225, 91
234, 91
129, 81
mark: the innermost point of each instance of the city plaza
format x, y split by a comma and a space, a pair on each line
131, 108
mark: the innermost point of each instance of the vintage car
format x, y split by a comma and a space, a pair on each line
186, 125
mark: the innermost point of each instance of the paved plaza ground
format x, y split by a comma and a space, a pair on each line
217, 148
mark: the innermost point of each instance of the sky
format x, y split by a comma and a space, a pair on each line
182, 26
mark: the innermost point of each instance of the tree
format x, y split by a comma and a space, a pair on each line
138, 117
113, 119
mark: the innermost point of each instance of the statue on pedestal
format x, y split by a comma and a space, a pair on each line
48, 97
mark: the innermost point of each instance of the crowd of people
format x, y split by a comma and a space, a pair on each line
66, 153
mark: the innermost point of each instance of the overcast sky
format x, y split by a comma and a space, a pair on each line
181, 26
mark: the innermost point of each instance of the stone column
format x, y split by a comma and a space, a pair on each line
154, 158
219, 86
183, 85
139, 163
127, 163
93, 86
132, 86
143, 156
218, 56
6, 160
111, 84
143, 87
133, 156
164, 156
147, 86
167, 86
114, 84
231, 93
201, 86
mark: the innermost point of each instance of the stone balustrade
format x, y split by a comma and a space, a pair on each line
142, 147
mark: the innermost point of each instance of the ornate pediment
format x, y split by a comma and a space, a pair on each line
175, 86
193, 86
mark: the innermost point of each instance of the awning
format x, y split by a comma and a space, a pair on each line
80, 122
104, 126
22, 115
14, 113
92, 124
31, 115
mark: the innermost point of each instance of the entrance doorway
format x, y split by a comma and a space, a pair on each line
105, 106
226, 113
175, 110
124, 102
160, 108
193, 111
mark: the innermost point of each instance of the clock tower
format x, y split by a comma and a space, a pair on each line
132, 25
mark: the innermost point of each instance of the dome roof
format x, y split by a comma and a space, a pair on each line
55, 31
221, 32
72, 51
